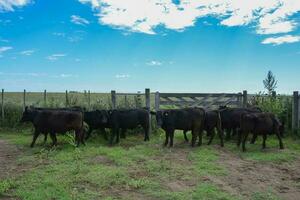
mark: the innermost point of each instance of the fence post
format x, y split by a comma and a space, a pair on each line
113, 99
126, 102
295, 117
2, 104
24, 100
274, 94
148, 106
157, 101
45, 98
67, 98
89, 99
245, 99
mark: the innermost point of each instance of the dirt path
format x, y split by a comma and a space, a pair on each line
246, 177
8, 159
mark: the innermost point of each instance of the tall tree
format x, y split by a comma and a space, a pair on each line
270, 82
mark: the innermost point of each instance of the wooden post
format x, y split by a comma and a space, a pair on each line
245, 99
113, 99
2, 105
148, 106
45, 98
295, 117
126, 102
24, 100
157, 101
89, 99
273, 94
67, 98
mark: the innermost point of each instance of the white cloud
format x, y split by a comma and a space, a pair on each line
269, 16
27, 52
4, 49
154, 63
67, 75
281, 40
9, 5
55, 57
122, 76
59, 34
79, 20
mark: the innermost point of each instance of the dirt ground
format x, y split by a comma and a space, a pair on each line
244, 178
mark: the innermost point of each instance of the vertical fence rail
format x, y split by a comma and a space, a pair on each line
67, 98
89, 99
45, 98
113, 99
295, 117
245, 99
24, 100
148, 106
2, 105
157, 101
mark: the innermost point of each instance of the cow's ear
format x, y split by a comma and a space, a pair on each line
26, 108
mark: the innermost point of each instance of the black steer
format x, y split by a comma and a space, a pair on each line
181, 119
259, 123
54, 121
128, 119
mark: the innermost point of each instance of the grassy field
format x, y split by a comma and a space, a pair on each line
135, 169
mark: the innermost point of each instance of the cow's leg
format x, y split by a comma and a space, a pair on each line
228, 132
200, 133
211, 133
171, 135
279, 139
77, 137
244, 141
123, 133
239, 139
221, 136
35, 136
53, 138
146, 134
185, 137
234, 132
253, 138
45, 138
82, 136
167, 137
194, 137
118, 136
264, 141
88, 135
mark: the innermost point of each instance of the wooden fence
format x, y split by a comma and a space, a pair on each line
206, 100
296, 111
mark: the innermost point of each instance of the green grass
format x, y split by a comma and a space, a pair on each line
130, 169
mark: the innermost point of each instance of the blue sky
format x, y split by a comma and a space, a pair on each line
165, 45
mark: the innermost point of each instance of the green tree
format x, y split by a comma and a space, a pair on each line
270, 82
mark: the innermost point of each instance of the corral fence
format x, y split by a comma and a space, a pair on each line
139, 99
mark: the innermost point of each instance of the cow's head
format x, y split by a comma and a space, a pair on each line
103, 116
28, 115
160, 117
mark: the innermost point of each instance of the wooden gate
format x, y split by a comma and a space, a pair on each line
205, 100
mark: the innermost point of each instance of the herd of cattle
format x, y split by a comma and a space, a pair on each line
232, 121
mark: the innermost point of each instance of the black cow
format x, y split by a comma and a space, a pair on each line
259, 123
128, 119
181, 119
230, 118
97, 119
212, 122
54, 121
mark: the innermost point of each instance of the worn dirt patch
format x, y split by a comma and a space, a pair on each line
101, 160
8, 159
247, 177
